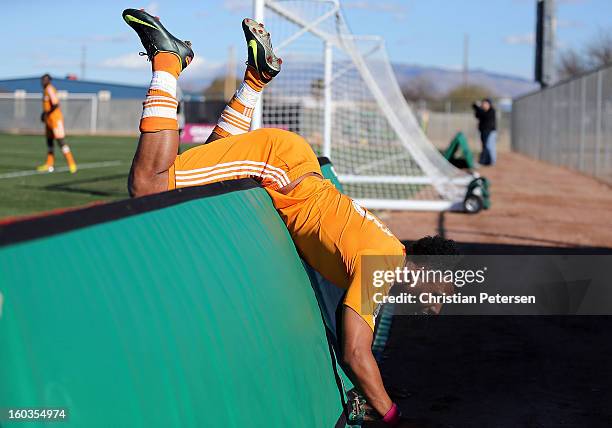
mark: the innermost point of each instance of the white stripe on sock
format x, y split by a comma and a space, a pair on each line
164, 81
231, 129
241, 116
167, 112
247, 96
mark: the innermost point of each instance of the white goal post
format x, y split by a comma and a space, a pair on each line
339, 91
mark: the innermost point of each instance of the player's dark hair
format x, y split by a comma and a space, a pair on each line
47, 75
433, 246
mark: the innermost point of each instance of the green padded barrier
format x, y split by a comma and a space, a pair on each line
328, 172
195, 314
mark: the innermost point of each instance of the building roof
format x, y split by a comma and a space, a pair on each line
32, 84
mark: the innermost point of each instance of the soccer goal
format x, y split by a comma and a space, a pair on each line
339, 91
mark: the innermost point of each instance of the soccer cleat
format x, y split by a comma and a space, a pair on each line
261, 55
72, 168
155, 38
45, 168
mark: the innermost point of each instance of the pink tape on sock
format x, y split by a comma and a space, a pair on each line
392, 417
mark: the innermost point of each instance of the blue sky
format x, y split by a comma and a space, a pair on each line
42, 37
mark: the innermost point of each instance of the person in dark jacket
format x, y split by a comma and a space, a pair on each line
485, 113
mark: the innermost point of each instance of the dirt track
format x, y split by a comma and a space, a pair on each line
534, 203
517, 371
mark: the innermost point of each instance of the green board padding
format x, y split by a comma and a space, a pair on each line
328, 172
199, 314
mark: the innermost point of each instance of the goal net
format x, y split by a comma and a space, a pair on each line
339, 91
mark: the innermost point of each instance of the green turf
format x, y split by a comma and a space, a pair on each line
44, 191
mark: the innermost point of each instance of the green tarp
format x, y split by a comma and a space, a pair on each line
196, 314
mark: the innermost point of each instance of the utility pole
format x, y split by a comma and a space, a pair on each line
466, 54
229, 86
545, 72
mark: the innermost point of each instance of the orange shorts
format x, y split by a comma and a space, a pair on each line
273, 157
331, 232
54, 125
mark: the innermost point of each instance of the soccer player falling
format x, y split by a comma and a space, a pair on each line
330, 231
54, 127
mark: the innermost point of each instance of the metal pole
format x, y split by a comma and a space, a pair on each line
598, 122
258, 15
327, 117
93, 124
582, 123
466, 55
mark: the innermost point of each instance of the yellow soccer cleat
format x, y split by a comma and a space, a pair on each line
45, 168
73, 168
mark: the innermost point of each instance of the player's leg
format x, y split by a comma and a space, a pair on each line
72, 166
60, 135
262, 66
48, 166
159, 140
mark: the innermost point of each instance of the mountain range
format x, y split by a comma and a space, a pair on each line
442, 80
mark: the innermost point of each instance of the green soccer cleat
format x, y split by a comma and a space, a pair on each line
155, 38
261, 55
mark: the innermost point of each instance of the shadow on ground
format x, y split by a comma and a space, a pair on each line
87, 188
502, 371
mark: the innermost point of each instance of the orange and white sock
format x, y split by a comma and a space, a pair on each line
159, 108
68, 155
50, 159
237, 116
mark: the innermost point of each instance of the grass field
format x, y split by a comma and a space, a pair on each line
103, 162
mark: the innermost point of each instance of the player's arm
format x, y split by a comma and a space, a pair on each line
357, 354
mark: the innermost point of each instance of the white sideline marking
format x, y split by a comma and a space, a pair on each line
91, 165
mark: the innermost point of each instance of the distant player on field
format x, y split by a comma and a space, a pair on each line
54, 127
331, 231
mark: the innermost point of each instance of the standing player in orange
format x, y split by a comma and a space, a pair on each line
331, 232
54, 127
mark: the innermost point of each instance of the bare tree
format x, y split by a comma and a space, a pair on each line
597, 53
419, 89
572, 64
600, 49
461, 97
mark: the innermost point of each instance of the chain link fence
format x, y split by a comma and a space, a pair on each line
83, 114
569, 124
94, 115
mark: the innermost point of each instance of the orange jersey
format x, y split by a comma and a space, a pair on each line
50, 99
54, 123
335, 235
330, 231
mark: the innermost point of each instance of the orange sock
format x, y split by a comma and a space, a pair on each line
50, 159
68, 155
166, 61
159, 108
253, 79
237, 116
